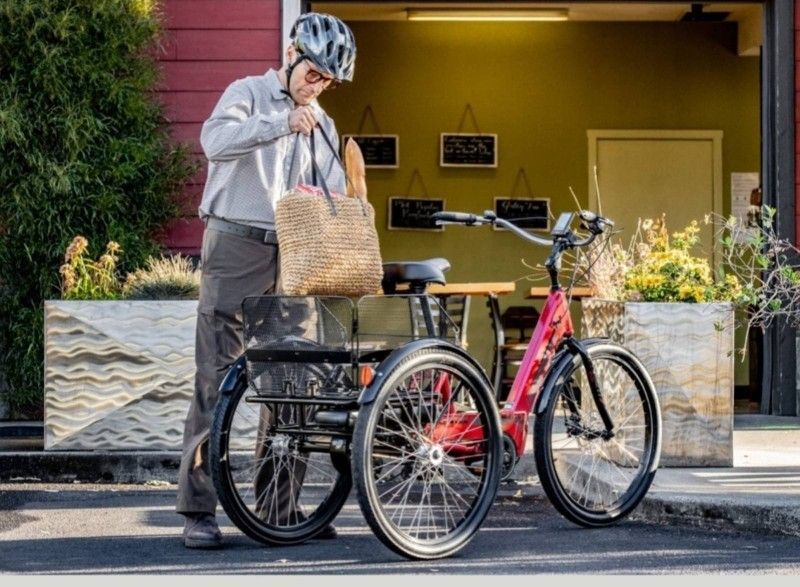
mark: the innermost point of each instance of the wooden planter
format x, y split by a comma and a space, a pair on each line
688, 349
118, 375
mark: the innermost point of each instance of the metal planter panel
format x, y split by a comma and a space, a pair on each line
688, 349
119, 375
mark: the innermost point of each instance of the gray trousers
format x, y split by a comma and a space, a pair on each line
233, 268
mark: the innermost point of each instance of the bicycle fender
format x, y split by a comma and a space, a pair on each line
388, 365
236, 370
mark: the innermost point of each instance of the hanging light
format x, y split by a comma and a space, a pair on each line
487, 14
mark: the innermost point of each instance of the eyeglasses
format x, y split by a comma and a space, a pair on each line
314, 77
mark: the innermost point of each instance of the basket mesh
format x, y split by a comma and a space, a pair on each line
312, 339
306, 345
387, 322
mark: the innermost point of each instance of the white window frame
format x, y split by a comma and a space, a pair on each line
290, 10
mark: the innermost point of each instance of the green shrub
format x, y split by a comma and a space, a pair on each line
165, 278
84, 150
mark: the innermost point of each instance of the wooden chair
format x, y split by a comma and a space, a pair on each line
518, 324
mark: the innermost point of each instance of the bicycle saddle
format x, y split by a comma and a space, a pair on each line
415, 273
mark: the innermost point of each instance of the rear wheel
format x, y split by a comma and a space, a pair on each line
427, 454
594, 479
278, 488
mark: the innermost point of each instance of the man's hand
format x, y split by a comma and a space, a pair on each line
302, 120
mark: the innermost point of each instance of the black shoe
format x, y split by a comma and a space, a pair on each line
328, 533
201, 531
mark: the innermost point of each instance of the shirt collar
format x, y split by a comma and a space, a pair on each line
275, 86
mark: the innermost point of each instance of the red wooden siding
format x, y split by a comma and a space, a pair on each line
797, 119
209, 44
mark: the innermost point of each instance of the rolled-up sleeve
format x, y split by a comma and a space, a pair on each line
233, 130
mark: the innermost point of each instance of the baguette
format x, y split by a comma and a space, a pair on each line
356, 172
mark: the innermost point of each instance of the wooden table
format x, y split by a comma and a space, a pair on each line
472, 289
541, 293
490, 290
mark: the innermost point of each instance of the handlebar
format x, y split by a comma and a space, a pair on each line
595, 224
456, 218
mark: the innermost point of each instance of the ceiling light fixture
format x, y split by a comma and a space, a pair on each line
488, 15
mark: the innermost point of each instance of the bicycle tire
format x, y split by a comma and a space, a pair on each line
392, 419
244, 515
569, 424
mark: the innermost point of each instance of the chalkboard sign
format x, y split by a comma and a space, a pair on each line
466, 150
380, 151
414, 213
530, 213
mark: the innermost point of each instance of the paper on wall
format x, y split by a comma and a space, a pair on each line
742, 186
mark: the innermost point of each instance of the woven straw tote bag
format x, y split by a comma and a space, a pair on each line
327, 243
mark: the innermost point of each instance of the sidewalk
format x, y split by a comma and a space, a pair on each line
760, 493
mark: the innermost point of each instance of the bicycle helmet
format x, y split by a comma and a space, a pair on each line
327, 42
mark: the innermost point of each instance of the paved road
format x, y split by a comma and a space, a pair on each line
133, 529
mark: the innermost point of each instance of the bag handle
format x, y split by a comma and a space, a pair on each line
315, 170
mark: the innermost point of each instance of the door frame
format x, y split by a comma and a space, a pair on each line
779, 389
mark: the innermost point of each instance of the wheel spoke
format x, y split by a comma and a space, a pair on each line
265, 473
423, 432
601, 476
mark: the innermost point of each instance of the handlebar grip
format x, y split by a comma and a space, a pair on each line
590, 217
459, 217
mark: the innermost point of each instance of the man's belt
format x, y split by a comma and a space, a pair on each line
243, 230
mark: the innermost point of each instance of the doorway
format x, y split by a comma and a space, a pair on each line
417, 87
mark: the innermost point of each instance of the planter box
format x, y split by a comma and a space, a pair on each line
688, 349
118, 375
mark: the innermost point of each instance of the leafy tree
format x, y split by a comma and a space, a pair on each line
84, 150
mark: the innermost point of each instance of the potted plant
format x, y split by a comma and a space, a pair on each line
119, 354
666, 305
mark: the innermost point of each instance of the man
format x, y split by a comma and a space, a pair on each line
253, 144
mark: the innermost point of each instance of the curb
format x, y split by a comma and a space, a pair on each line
717, 514
89, 467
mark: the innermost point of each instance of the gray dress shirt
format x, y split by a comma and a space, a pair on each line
253, 157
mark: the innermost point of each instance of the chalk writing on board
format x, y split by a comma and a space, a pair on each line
380, 151
530, 213
414, 213
468, 150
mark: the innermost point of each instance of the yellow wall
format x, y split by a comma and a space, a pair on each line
540, 87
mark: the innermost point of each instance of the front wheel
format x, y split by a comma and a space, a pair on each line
427, 454
592, 478
275, 486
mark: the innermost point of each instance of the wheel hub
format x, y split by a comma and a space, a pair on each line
281, 445
433, 453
